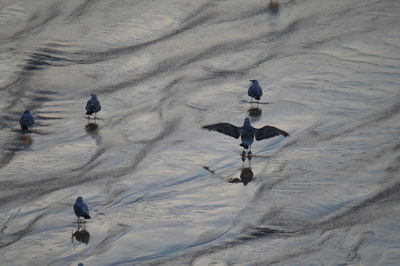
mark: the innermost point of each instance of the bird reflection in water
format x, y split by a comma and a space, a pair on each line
81, 235
25, 140
246, 175
91, 128
255, 112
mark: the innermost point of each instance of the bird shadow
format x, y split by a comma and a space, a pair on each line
81, 234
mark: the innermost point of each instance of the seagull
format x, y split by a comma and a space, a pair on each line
255, 90
81, 209
247, 133
93, 105
26, 120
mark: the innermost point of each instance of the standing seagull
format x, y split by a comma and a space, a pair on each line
255, 90
81, 209
93, 106
247, 133
26, 121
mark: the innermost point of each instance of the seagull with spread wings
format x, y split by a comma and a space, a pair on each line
247, 133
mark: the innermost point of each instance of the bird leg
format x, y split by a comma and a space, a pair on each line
243, 155
249, 155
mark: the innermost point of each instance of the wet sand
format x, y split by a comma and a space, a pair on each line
160, 189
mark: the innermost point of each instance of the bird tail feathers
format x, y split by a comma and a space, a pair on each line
244, 145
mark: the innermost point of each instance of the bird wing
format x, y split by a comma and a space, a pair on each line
81, 207
268, 132
77, 210
30, 120
252, 90
93, 106
88, 105
224, 128
85, 208
26, 119
255, 90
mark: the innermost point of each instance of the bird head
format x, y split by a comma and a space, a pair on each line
253, 81
79, 199
93, 96
27, 111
